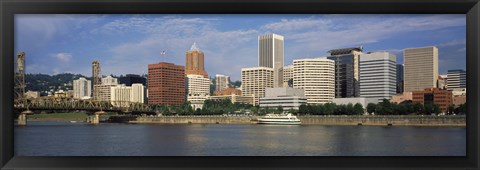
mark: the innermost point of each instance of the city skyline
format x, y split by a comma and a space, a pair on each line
126, 44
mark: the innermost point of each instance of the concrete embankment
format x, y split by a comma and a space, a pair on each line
317, 120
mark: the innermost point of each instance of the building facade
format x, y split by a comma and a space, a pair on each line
195, 62
104, 89
399, 78
288, 76
138, 93
82, 88
285, 97
442, 98
228, 91
378, 75
198, 90
399, 98
421, 68
236, 99
166, 84
221, 82
255, 80
456, 79
346, 71
130, 79
354, 100
316, 77
442, 82
97, 78
121, 95
270, 54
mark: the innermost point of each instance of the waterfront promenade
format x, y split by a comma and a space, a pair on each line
381, 120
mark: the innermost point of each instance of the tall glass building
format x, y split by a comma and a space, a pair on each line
346, 71
270, 54
399, 78
456, 79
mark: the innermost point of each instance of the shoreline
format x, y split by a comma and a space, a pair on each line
329, 120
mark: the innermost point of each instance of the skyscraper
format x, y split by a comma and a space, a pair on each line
104, 91
195, 62
316, 76
378, 75
270, 54
166, 84
96, 78
198, 90
456, 79
288, 76
399, 78
421, 68
346, 71
255, 80
221, 82
82, 88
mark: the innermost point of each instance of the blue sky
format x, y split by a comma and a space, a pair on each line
126, 44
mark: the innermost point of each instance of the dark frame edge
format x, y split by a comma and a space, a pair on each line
473, 81
6, 92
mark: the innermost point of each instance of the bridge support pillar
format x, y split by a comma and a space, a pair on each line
22, 118
95, 118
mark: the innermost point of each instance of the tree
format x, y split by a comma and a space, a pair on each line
358, 109
450, 110
329, 108
279, 109
428, 109
303, 109
418, 108
436, 109
371, 108
349, 110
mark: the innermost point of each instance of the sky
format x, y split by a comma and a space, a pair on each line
126, 44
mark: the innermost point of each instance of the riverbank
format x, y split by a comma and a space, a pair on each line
411, 120
58, 117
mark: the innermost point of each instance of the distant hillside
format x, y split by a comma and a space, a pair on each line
44, 83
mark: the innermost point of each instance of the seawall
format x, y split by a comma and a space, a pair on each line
316, 120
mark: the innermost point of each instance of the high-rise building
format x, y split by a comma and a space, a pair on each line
96, 76
198, 90
195, 62
378, 75
456, 79
346, 71
138, 93
221, 82
442, 82
421, 68
255, 80
130, 79
120, 95
82, 88
399, 78
166, 84
270, 54
288, 76
316, 76
104, 92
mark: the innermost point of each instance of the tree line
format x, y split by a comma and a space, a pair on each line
225, 106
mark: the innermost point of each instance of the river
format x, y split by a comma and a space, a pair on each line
111, 139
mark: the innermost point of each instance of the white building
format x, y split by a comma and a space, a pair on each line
82, 88
316, 76
120, 95
378, 75
287, 75
198, 90
285, 97
138, 93
221, 82
104, 89
255, 80
270, 54
32, 94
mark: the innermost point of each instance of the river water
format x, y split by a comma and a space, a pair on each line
109, 139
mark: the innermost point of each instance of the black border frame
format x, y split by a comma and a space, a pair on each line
10, 7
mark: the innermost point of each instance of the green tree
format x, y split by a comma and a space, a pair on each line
358, 109
451, 110
436, 109
418, 108
279, 110
349, 110
371, 107
303, 109
329, 108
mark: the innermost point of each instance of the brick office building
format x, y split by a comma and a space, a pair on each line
166, 84
442, 98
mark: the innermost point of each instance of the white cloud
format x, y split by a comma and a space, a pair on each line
65, 57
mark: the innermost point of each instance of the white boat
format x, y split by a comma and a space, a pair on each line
73, 121
279, 119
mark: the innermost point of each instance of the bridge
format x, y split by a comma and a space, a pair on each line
26, 106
